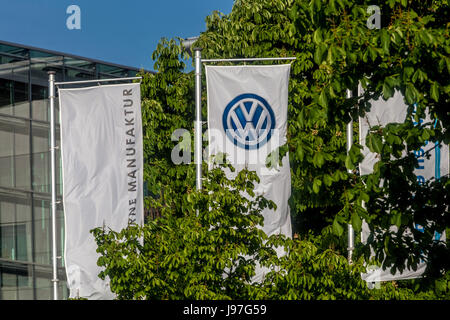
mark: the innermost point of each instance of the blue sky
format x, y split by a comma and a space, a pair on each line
123, 32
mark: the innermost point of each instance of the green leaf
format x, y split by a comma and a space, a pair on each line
317, 4
348, 163
257, 18
317, 36
396, 219
388, 90
327, 180
364, 196
337, 228
410, 95
375, 143
425, 135
434, 91
319, 53
341, 3
385, 40
386, 243
323, 99
373, 53
316, 185
300, 153
356, 222
318, 159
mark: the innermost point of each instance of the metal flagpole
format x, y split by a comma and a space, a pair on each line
198, 116
351, 233
51, 93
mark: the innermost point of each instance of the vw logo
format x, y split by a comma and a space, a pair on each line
248, 121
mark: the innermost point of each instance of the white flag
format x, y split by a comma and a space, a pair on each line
102, 161
394, 110
247, 120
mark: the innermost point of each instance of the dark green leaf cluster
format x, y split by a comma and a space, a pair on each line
167, 105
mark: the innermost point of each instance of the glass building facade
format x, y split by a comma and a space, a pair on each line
25, 215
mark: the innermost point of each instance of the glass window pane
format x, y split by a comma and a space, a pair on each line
42, 232
15, 227
41, 159
39, 102
13, 51
78, 69
79, 64
14, 153
108, 71
14, 78
25, 286
43, 288
76, 74
63, 291
8, 284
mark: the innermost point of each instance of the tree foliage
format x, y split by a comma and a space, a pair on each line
194, 256
212, 252
335, 51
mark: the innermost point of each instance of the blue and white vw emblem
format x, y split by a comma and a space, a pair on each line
248, 121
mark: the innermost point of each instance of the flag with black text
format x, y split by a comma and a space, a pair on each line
102, 170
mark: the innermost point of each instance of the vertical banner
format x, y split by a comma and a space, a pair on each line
102, 165
247, 120
381, 113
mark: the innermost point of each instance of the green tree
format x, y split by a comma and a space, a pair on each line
167, 105
335, 51
212, 252
209, 255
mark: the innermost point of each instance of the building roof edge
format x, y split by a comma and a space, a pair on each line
72, 56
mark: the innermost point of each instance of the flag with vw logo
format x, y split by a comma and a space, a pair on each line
247, 120
435, 165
